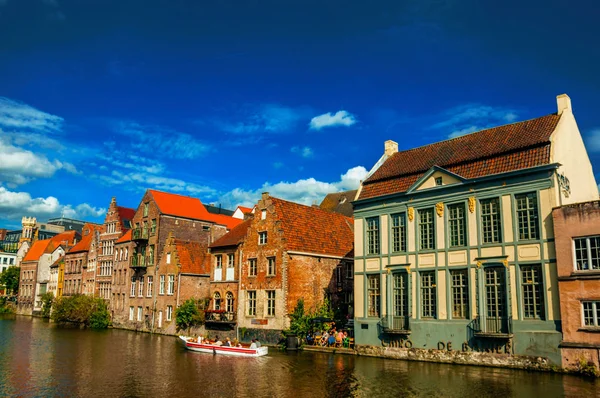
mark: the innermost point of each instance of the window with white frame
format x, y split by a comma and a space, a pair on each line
251, 302
491, 228
457, 225
374, 295
270, 266
262, 238
532, 288
587, 253
218, 261
230, 260
141, 287
139, 313
150, 283
372, 235
426, 229
270, 302
229, 302
131, 310
169, 312
161, 285
133, 280
217, 301
428, 294
591, 313
252, 271
171, 288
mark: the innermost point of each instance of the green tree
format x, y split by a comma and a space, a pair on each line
83, 310
10, 279
47, 300
189, 314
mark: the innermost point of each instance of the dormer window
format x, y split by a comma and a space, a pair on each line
438, 181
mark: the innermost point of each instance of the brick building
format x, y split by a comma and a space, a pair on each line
159, 216
119, 302
76, 262
116, 223
577, 240
292, 252
225, 263
35, 269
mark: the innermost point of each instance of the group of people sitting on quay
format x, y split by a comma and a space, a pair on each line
330, 338
227, 343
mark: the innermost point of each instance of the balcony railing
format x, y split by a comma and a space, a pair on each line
396, 324
140, 234
219, 316
493, 327
138, 261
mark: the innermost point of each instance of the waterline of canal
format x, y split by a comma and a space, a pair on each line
41, 359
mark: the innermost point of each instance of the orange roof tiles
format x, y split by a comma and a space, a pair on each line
125, 213
193, 257
37, 249
245, 210
233, 237
86, 240
497, 150
125, 238
313, 230
188, 207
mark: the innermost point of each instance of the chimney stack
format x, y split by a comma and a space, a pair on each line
391, 147
564, 103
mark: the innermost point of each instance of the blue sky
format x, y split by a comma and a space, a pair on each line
222, 100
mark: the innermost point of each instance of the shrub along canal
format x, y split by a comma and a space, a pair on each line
41, 359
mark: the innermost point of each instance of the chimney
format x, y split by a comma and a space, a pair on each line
564, 103
265, 195
391, 147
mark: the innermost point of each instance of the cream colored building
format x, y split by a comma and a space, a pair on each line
454, 240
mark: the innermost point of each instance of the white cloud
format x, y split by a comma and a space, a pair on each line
14, 205
592, 140
305, 191
341, 118
141, 181
15, 114
469, 118
19, 166
161, 141
264, 118
305, 152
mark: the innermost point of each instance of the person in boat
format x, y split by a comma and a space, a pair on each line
227, 342
257, 343
218, 341
253, 345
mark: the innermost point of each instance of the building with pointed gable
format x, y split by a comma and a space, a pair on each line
292, 252
76, 262
35, 269
455, 244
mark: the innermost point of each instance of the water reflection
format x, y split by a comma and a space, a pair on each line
40, 359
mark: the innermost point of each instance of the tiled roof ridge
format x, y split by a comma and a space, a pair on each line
313, 208
173, 194
448, 165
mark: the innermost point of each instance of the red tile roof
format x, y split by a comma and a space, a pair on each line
125, 238
245, 210
37, 249
188, 207
313, 230
193, 257
86, 240
497, 150
233, 237
125, 213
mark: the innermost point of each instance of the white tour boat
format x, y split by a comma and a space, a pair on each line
193, 345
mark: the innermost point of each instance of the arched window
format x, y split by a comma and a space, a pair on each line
217, 300
229, 302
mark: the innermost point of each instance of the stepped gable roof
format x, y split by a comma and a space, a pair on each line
37, 249
86, 240
496, 150
313, 230
233, 237
339, 202
125, 238
188, 207
193, 257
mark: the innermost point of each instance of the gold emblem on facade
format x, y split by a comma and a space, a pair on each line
505, 262
479, 264
472, 204
411, 213
439, 209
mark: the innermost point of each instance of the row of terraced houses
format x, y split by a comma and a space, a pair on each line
486, 242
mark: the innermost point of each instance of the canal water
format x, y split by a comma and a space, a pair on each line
38, 359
